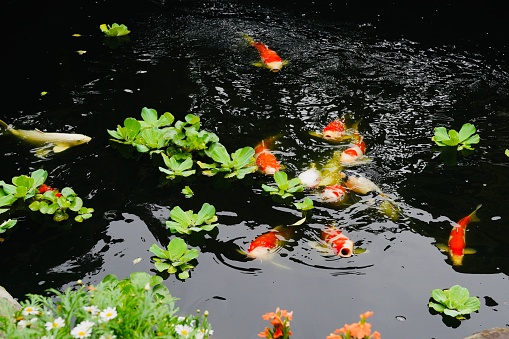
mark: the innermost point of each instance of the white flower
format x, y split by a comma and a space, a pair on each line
183, 330
83, 330
202, 332
93, 310
181, 318
57, 323
109, 336
30, 310
22, 324
108, 314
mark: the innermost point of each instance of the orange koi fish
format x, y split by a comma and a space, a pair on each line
457, 239
44, 188
265, 160
265, 245
334, 130
340, 243
269, 58
355, 151
333, 193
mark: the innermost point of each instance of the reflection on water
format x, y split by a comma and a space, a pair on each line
191, 58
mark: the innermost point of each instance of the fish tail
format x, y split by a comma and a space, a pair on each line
4, 125
473, 216
249, 39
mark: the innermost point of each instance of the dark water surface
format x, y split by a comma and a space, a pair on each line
188, 57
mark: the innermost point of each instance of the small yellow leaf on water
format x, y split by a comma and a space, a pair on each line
137, 260
76, 35
43, 93
81, 52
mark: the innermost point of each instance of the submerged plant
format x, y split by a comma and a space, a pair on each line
464, 139
285, 188
188, 222
139, 306
41, 197
280, 321
175, 257
360, 330
454, 302
114, 30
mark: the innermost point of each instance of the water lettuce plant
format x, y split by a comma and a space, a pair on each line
188, 222
177, 167
240, 163
187, 192
175, 258
284, 187
464, 139
454, 302
304, 205
139, 306
40, 197
114, 30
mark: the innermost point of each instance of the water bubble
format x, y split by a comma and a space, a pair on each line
400, 318
496, 217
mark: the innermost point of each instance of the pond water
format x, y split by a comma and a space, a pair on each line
189, 57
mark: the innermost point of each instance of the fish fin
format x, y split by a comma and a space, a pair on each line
473, 215
58, 149
38, 130
300, 222
469, 251
247, 37
359, 250
442, 247
258, 64
285, 62
241, 252
4, 125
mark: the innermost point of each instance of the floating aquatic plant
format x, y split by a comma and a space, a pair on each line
454, 302
464, 139
114, 30
175, 258
188, 222
284, 187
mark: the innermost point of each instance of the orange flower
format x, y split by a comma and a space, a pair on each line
268, 316
361, 330
333, 336
278, 332
376, 335
366, 315
264, 334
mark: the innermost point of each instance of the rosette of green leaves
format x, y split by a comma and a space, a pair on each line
149, 134
304, 205
189, 138
240, 163
176, 257
284, 187
23, 187
114, 30
454, 302
50, 203
182, 168
464, 139
188, 221
4, 226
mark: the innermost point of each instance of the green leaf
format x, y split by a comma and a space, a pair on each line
281, 179
474, 139
439, 295
458, 295
471, 305
21, 191
4, 226
466, 131
7, 200
162, 266
149, 116
206, 213
440, 134
219, 154
180, 216
243, 157
183, 275
159, 252
451, 313
437, 307
39, 177
188, 192
176, 248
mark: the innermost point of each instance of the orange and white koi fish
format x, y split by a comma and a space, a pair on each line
355, 151
265, 159
269, 58
333, 193
457, 239
264, 246
340, 243
334, 130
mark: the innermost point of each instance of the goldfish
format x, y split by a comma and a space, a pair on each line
59, 141
264, 246
269, 58
340, 243
457, 239
358, 183
333, 193
265, 159
355, 151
